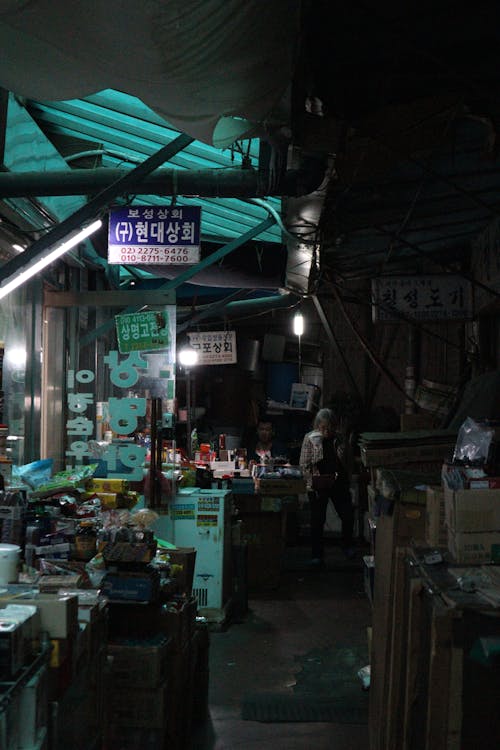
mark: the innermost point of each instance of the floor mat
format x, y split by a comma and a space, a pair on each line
285, 707
327, 688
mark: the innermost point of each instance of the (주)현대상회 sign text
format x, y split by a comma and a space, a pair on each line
154, 235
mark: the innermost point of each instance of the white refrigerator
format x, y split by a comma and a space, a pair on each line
202, 519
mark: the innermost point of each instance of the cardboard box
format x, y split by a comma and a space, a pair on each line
406, 454
179, 623
410, 520
409, 422
119, 552
142, 666
130, 707
90, 603
58, 614
182, 561
107, 485
435, 526
280, 486
131, 585
51, 584
119, 737
60, 652
474, 548
472, 510
488, 483
400, 486
223, 467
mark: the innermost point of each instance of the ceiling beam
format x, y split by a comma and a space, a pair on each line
186, 275
94, 207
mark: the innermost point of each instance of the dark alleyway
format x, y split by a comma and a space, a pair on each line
306, 640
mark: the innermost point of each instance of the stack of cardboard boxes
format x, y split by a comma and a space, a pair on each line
60, 682
472, 517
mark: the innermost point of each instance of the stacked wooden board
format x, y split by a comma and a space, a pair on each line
405, 448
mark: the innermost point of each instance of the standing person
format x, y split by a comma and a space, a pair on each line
323, 461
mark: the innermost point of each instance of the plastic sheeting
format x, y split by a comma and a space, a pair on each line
213, 69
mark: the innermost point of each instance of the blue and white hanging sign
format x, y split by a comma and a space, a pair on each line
154, 235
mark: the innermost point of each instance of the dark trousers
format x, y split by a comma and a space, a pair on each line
318, 502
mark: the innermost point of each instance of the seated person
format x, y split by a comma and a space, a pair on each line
264, 445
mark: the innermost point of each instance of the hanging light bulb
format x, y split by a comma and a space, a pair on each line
298, 324
188, 357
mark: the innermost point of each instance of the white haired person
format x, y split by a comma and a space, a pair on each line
323, 463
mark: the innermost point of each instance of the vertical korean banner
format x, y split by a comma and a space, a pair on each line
131, 377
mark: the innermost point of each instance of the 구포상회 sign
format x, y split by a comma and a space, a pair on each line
214, 347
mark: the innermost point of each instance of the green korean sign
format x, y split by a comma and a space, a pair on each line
142, 332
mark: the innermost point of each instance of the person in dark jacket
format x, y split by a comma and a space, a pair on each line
264, 445
324, 464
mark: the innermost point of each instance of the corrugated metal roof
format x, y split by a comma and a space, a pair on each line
124, 130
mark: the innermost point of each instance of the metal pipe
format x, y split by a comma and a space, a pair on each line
208, 183
94, 206
229, 306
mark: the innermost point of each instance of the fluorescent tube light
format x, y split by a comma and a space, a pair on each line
298, 324
57, 252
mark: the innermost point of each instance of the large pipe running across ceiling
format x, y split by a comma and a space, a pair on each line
220, 183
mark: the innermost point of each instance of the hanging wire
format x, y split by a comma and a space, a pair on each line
361, 299
365, 346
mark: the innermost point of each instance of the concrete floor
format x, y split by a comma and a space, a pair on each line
311, 609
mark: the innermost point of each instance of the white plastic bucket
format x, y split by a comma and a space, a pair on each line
9, 563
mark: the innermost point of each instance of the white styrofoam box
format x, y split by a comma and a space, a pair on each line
223, 466
303, 396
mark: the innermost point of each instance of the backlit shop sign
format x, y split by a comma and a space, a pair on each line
154, 235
